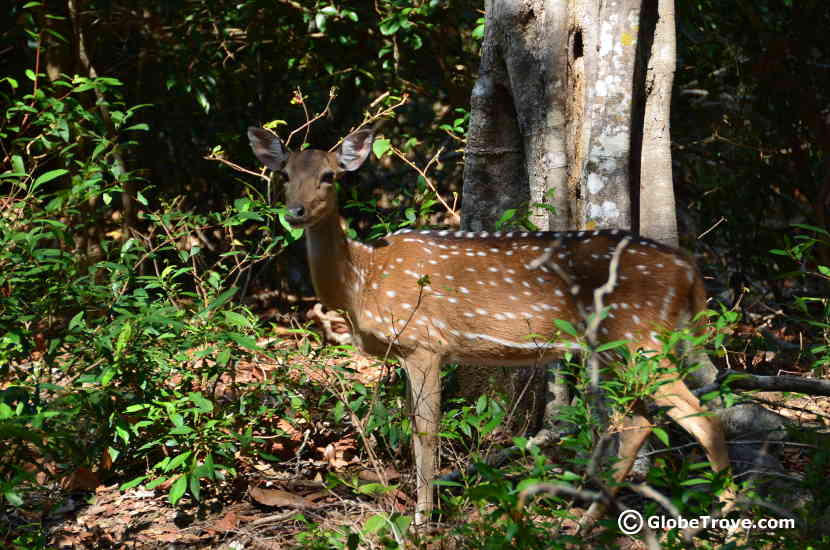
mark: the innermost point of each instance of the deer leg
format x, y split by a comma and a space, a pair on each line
687, 411
423, 369
635, 430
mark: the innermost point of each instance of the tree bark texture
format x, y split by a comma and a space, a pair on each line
551, 114
602, 128
516, 142
657, 210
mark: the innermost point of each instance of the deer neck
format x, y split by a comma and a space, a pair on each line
332, 264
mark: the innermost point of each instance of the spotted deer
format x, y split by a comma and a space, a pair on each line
433, 297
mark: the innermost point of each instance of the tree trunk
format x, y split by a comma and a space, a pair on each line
516, 149
603, 110
657, 214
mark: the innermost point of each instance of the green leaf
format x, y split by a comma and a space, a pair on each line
221, 299
481, 404
195, 487
122, 434
181, 430
820, 230
13, 498
565, 327
662, 435
177, 490
339, 411
132, 483
294, 232
389, 26
244, 341
123, 339
374, 524
508, 215
108, 375
320, 21
374, 489
380, 147
47, 177
236, 320
402, 522
77, 321
177, 461
611, 345
12, 82
207, 469
204, 405
17, 164
693, 481
155, 483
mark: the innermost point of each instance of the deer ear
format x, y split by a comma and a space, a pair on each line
268, 148
354, 149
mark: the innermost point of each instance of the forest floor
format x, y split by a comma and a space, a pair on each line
271, 503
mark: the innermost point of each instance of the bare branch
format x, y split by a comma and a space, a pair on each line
744, 381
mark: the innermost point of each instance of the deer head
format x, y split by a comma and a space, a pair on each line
309, 190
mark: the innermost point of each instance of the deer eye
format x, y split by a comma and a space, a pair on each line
327, 177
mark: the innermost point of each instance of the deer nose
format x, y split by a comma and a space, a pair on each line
296, 212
